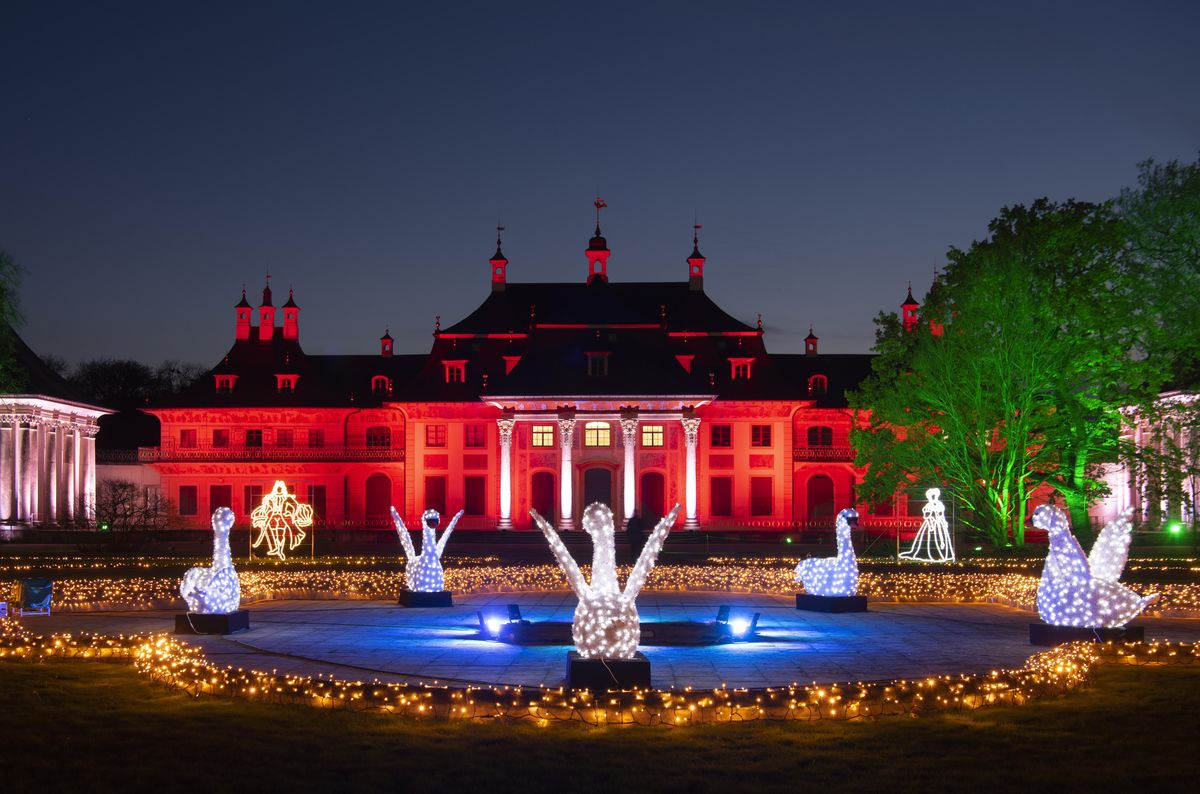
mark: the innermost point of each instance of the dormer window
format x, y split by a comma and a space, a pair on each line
225, 383
685, 361
455, 371
818, 385
739, 368
597, 364
286, 384
510, 362
381, 384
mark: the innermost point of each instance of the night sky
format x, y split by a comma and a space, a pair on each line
156, 157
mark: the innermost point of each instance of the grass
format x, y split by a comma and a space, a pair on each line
99, 727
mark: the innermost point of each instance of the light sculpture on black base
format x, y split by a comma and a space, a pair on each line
831, 583
214, 594
423, 575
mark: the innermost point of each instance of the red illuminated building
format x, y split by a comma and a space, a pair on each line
547, 396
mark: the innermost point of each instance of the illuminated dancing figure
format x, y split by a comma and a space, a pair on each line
933, 542
606, 624
833, 576
423, 573
1083, 591
215, 590
280, 521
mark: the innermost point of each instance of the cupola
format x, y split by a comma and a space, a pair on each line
597, 251
242, 311
291, 318
266, 315
810, 343
499, 265
696, 262
385, 343
908, 311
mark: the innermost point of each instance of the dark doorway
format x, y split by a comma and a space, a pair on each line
820, 497
597, 487
653, 496
379, 500
541, 495
435, 493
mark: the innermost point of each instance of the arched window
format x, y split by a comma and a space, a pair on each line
818, 385
379, 436
381, 384
597, 434
820, 437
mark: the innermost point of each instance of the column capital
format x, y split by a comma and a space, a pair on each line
629, 429
505, 423
566, 430
691, 429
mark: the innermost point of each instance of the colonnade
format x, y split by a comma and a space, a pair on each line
47, 468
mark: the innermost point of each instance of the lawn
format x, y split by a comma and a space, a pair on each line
96, 727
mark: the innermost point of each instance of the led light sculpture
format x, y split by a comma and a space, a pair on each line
423, 573
606, 624
1083, 591
833, 576
215, 590
933, 542
280, 521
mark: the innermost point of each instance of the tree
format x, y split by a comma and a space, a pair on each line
124, 506
12, 378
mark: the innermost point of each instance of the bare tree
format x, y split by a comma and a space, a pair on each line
123, 506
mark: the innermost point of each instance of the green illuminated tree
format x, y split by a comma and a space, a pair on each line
12, 379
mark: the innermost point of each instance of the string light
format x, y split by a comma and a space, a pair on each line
836, 576
280, 520
1083, 591
214, 590
423, 573
933, 542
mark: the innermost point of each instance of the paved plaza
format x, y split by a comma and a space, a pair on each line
371, 639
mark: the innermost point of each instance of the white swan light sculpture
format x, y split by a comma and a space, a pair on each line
606, 624
1078, 590
833, 576
423, 573
215, 590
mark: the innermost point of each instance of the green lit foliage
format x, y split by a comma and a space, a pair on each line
11, 376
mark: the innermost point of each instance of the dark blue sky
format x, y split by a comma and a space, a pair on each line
157, 156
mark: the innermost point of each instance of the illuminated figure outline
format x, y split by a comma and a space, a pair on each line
933, 542
423, 572
837, 575
280, 521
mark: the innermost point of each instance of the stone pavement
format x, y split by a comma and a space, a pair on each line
364, 640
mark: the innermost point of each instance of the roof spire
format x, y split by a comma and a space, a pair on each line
599, 204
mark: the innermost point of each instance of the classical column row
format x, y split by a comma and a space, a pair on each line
47, 471
566, 441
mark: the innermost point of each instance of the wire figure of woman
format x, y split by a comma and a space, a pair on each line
933, 542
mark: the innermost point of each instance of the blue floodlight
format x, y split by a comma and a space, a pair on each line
738, 626
493, 626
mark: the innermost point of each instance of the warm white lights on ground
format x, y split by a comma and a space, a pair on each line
933, 542
280, 521
606, 624
835, 576
1078, 590
215, 590
423, 573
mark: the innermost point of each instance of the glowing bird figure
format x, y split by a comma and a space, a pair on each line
833, 576
280, 521
606, 624
933, 542
215, 590
423, 573
1083, 591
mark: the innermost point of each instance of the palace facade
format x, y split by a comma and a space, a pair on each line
548, 396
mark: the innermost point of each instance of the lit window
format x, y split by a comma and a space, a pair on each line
225, 383
740, 368
652, 435
597, 434
597, 364
187, 439
760, 435
220, 439
379, 436
456, 371
818, 385
381, 384
285, 437
721, 436
286, 384
820, 437
254, 438
543, 435
435, 435
316, 438
475, 436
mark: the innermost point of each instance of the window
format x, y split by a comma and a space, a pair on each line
220, 496
475, 495
254, 438
721, 496
225, 383
316, 438
739, 368
252, 494
380, 384
187, 500
761, 494
220, 439
285, 437
543, 435
597, 434
316, 498
455, 371
286, 384
721, 436
435, 493
187, 439
760, 435
818, 385
435, 435
597, 364
820, 437
379, 436
475, 436
652, 435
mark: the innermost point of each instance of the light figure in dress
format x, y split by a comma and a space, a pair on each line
838, 575
933, 542
423, 572
280, 521
606, 624
215, 590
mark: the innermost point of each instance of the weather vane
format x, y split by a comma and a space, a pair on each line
599, 204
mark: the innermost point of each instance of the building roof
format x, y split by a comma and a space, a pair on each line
39, 379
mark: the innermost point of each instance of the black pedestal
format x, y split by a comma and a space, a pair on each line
195, 623
1046, 635
819, 603
600, 675
441, 598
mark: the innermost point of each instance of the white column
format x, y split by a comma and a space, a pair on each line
691, 434
70, 453
8, 478
88, 473
20, 452
34, 486
629, 428
566, 438
505, 424
53, 453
